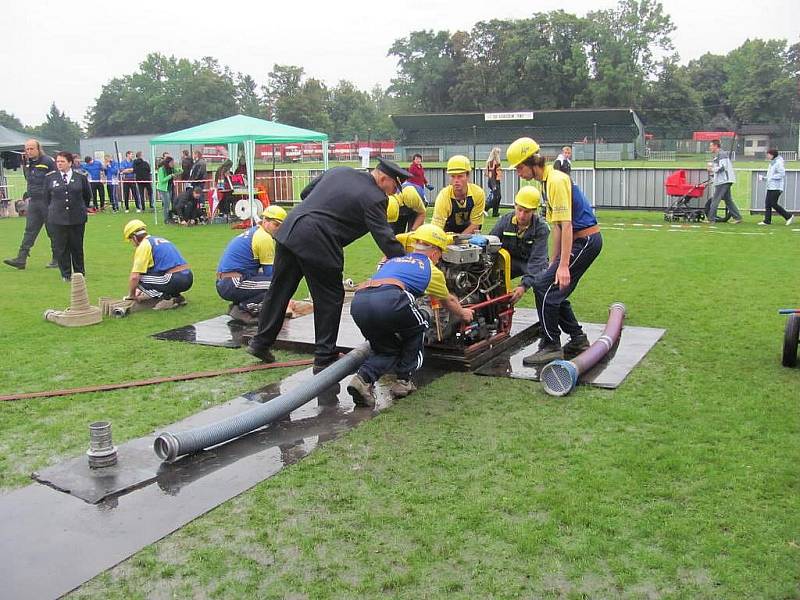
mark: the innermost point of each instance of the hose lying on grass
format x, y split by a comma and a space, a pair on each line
156, 380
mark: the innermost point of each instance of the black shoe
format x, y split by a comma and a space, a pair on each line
545, 354
17, 263
577, 344
261, 353
321, 366
51, 265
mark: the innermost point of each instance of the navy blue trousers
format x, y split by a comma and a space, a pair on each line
395, 329
555, 311
166, 286
244, 290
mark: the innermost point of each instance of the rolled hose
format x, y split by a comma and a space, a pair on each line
560, 377
169, 446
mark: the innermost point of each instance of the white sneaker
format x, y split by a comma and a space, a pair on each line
763, 223
790, 220
127, 211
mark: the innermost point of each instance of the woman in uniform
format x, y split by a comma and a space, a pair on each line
67, 192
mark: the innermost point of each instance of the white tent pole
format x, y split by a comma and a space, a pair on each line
324, 155
153, 189
249, 156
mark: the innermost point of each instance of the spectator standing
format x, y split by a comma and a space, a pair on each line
186, 165
166, 186
111, 168
417, 178
721, 169
128, 182
67, 193
37, 166
144, 177
199, 171
776, 180
494, 174
224, 186
94, 171
563, 161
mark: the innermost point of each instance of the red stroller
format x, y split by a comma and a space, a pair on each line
682, 194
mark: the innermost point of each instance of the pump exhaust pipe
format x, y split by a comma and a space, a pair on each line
169, 446
560, 377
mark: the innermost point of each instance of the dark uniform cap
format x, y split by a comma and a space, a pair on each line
393, 170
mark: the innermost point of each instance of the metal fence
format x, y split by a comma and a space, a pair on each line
790, 199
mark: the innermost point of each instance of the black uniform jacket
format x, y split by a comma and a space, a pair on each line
338, 207
66, 203
36, 169
530, 249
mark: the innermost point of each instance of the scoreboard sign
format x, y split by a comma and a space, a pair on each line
508, 116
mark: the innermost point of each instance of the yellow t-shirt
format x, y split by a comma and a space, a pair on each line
557, 187
437, 287
263, 247
444, 205
410, 198
143, 257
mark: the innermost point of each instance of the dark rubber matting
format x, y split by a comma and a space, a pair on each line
53, 542
634, 344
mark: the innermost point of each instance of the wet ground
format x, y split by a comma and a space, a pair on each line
53, 541
633, 345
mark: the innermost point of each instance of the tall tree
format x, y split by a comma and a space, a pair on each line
165, 94
708, 76
622, 42
428, 67
671, 106
58, 127
283, 83
759, 82
11, 121
248, 99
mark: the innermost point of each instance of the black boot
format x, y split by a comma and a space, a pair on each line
18, 262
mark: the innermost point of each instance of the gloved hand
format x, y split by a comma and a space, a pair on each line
429, 187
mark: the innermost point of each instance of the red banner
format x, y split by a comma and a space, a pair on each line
707, 136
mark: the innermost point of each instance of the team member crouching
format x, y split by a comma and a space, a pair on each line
576, 243
384, 310
159, 271
245, 269
524, 235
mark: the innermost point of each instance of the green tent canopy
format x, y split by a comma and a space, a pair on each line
248, 131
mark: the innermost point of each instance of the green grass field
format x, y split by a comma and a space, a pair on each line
683, 483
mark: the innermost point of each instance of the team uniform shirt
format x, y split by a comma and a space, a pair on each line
248, 252
126, 164
456, 215
112, 171
156, 255
409, 207
36, 170
565, 200
418, 273
93, 170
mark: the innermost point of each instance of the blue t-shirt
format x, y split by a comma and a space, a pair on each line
126, 164
165, 255
248, 252
416, 271
582, 213
94, 169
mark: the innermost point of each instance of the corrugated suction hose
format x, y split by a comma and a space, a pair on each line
169, 446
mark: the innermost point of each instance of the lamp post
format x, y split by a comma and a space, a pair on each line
369, 140
474, 144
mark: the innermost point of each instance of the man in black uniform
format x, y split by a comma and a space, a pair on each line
338, 207
143, 174
37, 167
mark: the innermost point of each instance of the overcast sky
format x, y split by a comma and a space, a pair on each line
92, 42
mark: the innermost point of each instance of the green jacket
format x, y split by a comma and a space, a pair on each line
163, 180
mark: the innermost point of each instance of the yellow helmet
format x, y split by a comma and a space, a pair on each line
410, 195
528, 197
458, 164
274, 212
434, 235
521, 149
393, 209
132, 227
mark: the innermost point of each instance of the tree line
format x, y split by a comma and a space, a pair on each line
620, 57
